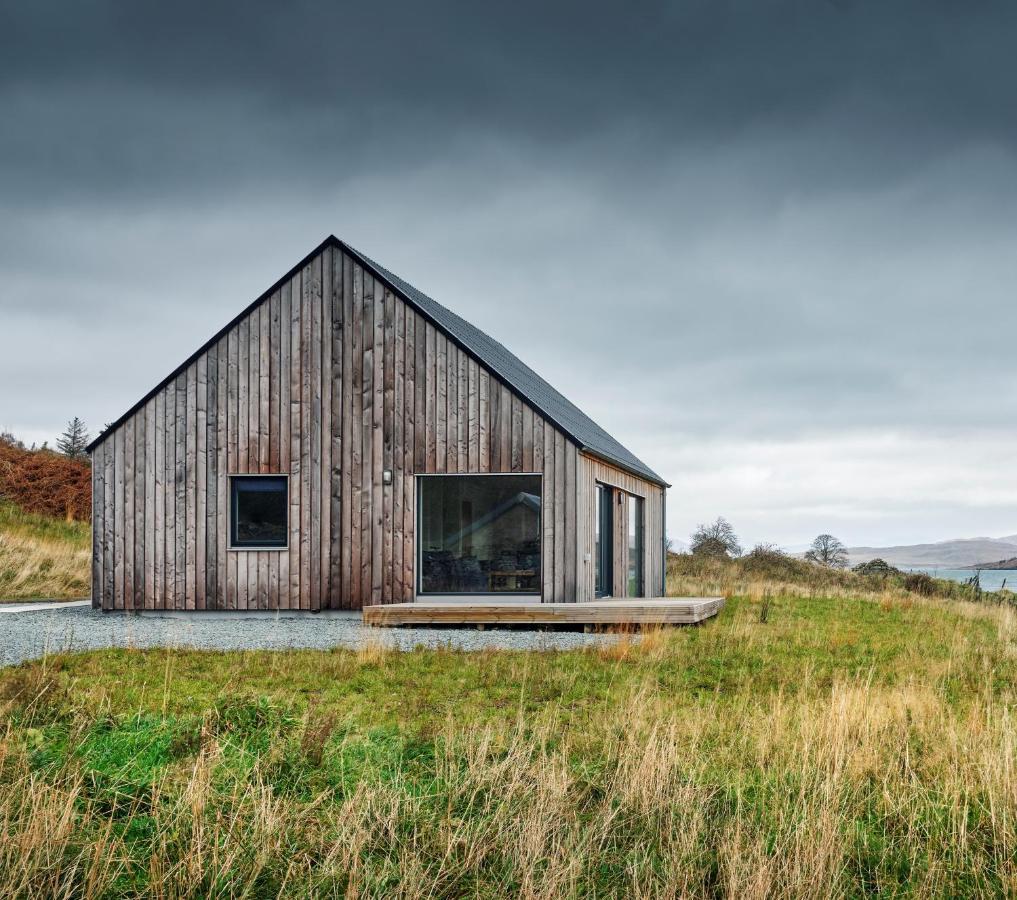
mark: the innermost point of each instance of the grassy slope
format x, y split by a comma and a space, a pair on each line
847, 746
766, 571
42, 557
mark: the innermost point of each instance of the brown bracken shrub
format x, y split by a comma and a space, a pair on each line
46, 483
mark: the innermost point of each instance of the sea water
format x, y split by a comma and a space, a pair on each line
990, 579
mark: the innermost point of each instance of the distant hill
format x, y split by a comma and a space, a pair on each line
954, 554
999, 564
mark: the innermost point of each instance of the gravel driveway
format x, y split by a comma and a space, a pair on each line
29, 635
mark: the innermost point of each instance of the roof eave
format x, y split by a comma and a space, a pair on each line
652, 477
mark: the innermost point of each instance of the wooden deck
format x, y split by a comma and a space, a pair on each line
597, 613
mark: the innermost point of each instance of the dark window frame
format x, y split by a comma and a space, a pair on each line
419, 549
635, 516
603, 575
238, 477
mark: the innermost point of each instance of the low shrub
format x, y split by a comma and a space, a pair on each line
920, 583
877, 567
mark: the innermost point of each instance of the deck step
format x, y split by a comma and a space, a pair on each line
651, 611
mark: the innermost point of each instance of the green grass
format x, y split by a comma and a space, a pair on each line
15, 521
820, 638
847, 747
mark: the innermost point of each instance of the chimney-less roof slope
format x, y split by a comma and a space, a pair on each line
517, 375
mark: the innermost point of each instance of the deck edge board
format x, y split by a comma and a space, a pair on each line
653, 611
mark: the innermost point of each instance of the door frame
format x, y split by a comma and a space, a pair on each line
604, 554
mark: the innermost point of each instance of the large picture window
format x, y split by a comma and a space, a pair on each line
479, 534
258, 512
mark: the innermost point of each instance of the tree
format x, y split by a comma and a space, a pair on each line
827, 551
716, 539
74, 440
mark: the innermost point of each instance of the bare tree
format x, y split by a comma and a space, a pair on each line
715, 539
827, 551
74, 440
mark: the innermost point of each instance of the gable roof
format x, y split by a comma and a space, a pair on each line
552, 405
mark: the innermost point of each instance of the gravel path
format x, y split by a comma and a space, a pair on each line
29, 635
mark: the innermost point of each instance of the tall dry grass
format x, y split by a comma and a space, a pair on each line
833, 798
827, 786
41, 567
766, 571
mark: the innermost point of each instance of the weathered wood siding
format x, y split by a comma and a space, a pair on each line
591, 471
332, 379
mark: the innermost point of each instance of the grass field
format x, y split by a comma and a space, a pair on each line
41, 556
844, 747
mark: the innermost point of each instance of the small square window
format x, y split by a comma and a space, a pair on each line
258, 511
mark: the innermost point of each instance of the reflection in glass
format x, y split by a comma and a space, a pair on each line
479, 534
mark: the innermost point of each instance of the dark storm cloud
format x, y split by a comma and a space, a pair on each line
126, 99
790, 223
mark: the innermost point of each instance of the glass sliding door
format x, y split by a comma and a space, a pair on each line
603, 544
635, 547
479, 534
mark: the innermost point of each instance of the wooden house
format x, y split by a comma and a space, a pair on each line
347, 441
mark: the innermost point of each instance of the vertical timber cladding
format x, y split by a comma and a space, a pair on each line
332, 379
592, 470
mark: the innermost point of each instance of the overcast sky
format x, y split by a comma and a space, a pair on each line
772, 247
